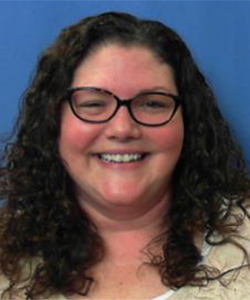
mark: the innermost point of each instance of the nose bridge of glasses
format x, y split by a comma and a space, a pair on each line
126, 103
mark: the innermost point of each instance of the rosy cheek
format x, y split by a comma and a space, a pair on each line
76, 135
169, 137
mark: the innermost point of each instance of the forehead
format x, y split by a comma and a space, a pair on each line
118, 67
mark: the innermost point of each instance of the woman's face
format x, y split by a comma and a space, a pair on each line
139, 185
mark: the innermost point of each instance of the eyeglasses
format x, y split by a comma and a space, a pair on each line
95, 105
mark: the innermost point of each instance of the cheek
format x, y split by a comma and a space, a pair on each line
168, 142
169, 139
75, 136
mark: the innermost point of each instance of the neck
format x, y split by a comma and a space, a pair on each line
124, 236
122, 219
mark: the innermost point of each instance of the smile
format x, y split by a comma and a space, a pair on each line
121, 158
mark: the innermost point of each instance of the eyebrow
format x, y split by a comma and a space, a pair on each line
153, 89
157, 89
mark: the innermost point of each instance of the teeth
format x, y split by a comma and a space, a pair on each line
121, 158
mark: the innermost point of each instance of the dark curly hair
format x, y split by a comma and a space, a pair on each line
42, 228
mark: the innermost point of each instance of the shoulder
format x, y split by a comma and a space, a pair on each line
228, 256
238, 289
236, 283
5, 283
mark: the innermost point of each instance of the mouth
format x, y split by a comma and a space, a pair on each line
119, 158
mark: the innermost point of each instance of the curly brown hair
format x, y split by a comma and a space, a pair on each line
40, 219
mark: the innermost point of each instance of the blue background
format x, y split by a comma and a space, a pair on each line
217, 32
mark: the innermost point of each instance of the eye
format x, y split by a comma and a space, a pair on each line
92, 107
154, 104
91, 103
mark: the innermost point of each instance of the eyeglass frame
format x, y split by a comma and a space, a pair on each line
122, 102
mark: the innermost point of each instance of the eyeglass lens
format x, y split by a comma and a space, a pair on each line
98, 106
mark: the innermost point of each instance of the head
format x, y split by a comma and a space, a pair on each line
77, 44
204, 146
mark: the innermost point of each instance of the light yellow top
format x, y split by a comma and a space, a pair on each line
223, 257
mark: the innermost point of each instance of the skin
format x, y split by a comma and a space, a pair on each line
126, 201
121, 190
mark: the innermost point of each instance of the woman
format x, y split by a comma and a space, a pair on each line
124, 181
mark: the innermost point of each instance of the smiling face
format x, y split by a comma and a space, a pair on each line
97, 155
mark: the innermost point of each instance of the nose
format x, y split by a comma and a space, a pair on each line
123, 127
